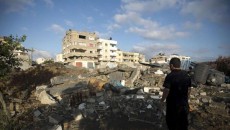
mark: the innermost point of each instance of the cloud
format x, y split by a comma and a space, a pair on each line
148, 5
49, 3
132, 19
104, 35
42, 54
152, 49
224, 46
89, 19
225, 49
69, 23
56, 28
113, 26
198, 58
202, 51
214, 10
10, 6
24, 29
191, 25
147, 28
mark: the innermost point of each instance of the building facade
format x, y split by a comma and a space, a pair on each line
129, 57
160, 58
80, 49
107, 52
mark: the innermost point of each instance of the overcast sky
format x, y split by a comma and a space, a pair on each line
196, 28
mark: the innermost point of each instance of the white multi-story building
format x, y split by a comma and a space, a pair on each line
107, 52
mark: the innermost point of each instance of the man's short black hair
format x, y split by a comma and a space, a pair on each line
175, 62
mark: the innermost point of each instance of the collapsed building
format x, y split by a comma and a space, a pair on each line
122, 97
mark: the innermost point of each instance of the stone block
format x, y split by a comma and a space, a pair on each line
98, 94
91, 100
57, 127
61, 79
55, 118
203, 94
37, 113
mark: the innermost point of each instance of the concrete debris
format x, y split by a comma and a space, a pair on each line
119, 98
61, 79
45, 98
37, 113
57, 127
55, 118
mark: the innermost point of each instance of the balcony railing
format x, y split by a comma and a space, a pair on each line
113, 54
100, 53
113, 48
80, 54
99, 47
113, 59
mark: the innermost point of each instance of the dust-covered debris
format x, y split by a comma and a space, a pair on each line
65, 97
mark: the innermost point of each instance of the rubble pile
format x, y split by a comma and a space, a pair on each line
210, 107
109, 98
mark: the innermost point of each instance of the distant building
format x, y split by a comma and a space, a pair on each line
59, 58
80, 49
185, 60
160, 58
129, 57
164, 59
22, 55
40, 60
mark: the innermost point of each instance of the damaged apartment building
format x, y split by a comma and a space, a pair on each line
86, 49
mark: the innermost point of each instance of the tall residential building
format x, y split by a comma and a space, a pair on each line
107, 50
80, 49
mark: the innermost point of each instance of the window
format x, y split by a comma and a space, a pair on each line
106, 44
90, 51
82, 37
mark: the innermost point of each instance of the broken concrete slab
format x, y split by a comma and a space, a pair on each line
105, 71
57, 127
118, 76
37, 113
135, 74
99, 94
67, 88
55, 118
45, 98
203, 94
62, 79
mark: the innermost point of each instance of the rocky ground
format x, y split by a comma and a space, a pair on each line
64, 97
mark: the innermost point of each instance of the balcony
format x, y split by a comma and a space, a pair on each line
113, 59
99, 47
113, 43
100, 59
100, 53
72, 54
113, 54
113, 48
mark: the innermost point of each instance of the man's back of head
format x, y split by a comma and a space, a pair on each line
175, 62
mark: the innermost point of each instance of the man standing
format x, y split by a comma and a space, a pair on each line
177, 87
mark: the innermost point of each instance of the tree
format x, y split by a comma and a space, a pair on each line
8, 59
